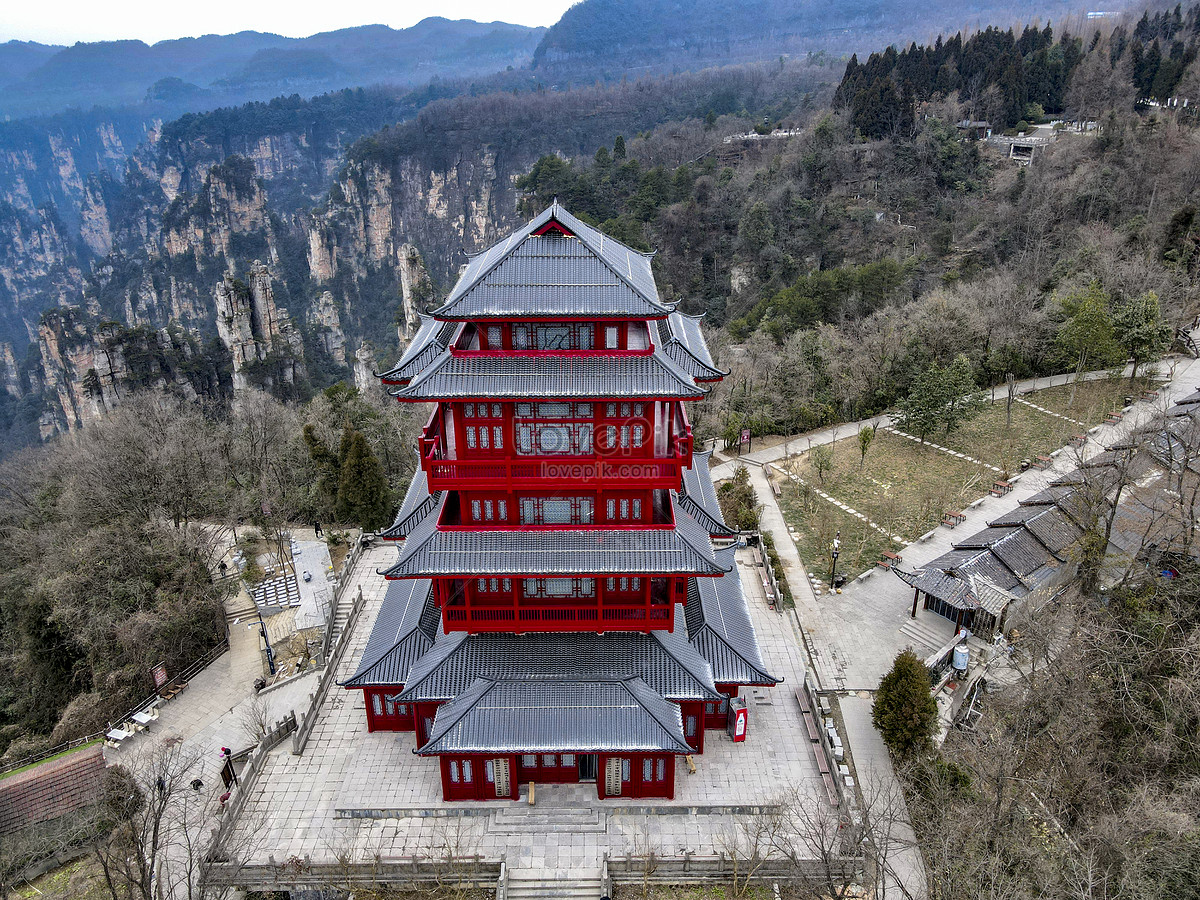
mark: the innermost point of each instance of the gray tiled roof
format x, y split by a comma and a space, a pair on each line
682, 550
698, 483
556, 715
690, 364
1022, 553
699, 495
1017, 516
451, 377
936, 583
418, 503
1190, 400
686, 330
1055, 530
719, 626
714, 527
1047, 497
664, 660
431, 339
405, 628
554, 275
681, 339
984, 538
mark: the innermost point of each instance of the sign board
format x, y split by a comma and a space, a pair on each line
745, 435
160, 675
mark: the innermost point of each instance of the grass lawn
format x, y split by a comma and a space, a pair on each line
816, 521
988, 437
903, 487
1094, 400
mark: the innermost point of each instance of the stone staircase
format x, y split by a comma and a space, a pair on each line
926, 639
341, 613
580, 883
548, 820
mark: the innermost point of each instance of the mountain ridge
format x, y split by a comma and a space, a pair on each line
40, 79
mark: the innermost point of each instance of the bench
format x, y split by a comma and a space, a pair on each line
1150, 395
888, 559
1113, 418
1042, 462
1078, 440
953, 518
1000, 488
172, 690
811, 725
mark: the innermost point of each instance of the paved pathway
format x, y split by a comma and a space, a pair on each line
851, 638
903, 870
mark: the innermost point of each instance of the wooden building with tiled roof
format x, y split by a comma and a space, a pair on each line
564, 603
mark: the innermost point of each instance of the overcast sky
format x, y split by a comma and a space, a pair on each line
68, 21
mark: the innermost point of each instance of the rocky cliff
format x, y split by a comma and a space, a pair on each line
85, 369
267, 350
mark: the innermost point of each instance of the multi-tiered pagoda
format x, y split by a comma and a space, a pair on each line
565, 605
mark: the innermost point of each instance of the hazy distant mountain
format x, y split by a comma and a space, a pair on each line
36, 79
658, 32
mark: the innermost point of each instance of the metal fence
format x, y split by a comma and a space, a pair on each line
190, 672
341, 582
694, 867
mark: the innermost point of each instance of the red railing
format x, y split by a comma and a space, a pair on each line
557, 618
506, 472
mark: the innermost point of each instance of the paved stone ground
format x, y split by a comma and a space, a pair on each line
302, 805
904, 870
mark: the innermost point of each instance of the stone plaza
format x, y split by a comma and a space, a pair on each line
356, 795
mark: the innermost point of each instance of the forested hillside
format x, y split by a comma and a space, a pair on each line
843, 266
111, 538
613, 32
1010, 80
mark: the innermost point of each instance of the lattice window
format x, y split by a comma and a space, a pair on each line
558, 588
557, 511
554, 429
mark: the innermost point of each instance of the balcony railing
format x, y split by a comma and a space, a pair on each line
558, 618
449, 472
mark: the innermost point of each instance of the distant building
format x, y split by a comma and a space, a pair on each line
565, 606
974, 129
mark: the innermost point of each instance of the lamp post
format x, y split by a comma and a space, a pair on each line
834, 548
262, 628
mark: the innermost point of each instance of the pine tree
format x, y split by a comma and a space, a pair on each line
905, 712
1139, 327
363, 495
